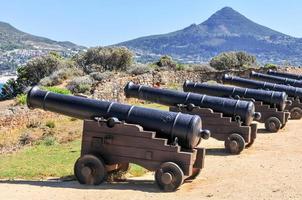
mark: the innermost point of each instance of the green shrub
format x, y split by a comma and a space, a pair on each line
49, 140
80, 84
139, 69
59, 76
270, 66
166, 61
200, 67
232, 60
10, 89
99, 76
21, 99
57, 90
50, 124
180, 67
101, 59
37, 68
50, 70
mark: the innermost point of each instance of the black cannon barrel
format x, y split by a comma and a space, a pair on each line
245, 110
276, 79
284, 74
242, 82
269, 97
186, 128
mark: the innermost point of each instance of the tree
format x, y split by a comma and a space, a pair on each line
100, 59
30, 74
232, 60
36, 69
168, 63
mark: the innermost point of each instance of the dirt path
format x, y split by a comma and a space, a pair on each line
271, 169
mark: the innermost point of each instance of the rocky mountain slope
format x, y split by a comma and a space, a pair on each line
226, 30
16, 47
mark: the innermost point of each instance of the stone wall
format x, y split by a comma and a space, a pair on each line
113, 89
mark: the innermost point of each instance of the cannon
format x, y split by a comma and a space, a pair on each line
115, 135
276, 79
294, 93
270, 104
284, 74
222, 116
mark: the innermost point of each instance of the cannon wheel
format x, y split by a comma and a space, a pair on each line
90, 170
235, 143
195, 173
169, 176
273, 124
296, 113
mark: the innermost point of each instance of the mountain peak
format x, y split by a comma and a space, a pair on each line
225, 30
226, 10
226, 16
228, 21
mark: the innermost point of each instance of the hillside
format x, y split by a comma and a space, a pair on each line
226, 30
16, 47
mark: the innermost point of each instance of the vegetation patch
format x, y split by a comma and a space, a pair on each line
40, 161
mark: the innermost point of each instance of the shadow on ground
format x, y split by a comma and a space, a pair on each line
263, 131
136, 185
217, 152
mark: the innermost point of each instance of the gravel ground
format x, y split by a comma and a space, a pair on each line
271, 169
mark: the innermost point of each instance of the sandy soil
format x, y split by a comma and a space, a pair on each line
271, 169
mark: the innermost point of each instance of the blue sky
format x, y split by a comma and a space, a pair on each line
104, 22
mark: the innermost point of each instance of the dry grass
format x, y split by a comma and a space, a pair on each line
64, 129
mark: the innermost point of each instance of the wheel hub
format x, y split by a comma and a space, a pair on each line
233, 144
272, 126
86, 171
166, 178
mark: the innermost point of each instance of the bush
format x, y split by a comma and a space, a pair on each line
10, 89
270, 66
99, 76
49, 140
166, 61
201, 68
80, 84
25, 139
21, 99
57, 77
139, 69
100, 59
232, 60
50, 124
58, 90
31, 74
36, 69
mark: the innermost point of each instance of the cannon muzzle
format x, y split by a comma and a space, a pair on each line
186, 128
245, 110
